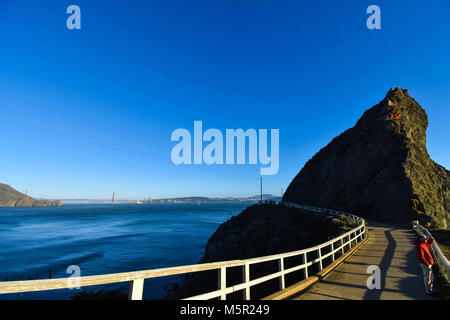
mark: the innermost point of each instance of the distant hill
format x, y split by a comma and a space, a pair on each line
10, 197
266, 197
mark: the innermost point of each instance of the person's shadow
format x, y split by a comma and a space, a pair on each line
386, 261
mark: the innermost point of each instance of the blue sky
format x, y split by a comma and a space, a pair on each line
84, 113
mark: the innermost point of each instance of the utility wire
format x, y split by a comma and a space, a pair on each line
85, 123
80, 135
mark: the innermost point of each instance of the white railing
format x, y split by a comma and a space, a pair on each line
442, 258
136, 278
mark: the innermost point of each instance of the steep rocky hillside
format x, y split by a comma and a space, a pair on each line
379, 169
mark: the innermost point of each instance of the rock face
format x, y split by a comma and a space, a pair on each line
379, 169
12, 198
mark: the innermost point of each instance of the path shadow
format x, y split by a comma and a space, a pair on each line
375, 294
396, 257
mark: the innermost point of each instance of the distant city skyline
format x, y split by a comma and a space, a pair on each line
85, 113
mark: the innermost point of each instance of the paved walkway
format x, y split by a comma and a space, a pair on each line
389, 248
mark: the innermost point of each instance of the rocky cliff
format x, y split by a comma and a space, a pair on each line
12, 198
379, 169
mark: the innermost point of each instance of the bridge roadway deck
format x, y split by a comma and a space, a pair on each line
393, 251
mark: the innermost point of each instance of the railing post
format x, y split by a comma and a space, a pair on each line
222, 281
332, 252
305, 269
319, 253
342, 246
246, 278
349, 241
281, 268
136, 289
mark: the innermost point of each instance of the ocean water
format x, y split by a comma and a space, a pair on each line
38, 243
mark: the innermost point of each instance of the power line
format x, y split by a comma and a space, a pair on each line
80, 135
85, 123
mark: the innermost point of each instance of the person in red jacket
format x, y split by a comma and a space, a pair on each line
426, 261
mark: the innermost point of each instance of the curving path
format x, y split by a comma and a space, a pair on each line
393, 251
